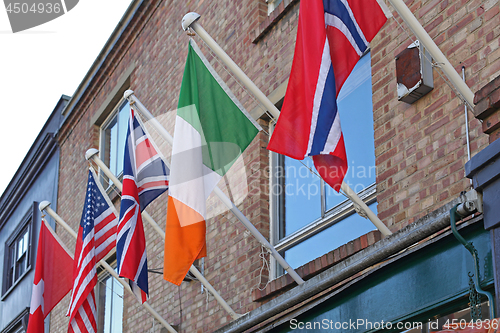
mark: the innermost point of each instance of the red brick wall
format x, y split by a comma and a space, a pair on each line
420, 149
157, 46
487, 101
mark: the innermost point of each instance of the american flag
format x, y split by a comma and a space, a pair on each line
96, 237
145, 177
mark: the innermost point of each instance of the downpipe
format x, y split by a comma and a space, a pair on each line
460, 211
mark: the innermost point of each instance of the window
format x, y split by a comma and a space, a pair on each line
110, 305
113, 136
18, 324
18, 329
271, 5
313, 219
18, 255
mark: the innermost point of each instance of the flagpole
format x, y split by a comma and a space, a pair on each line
429, 44
92, 154
129, 94
45, 206
190, 21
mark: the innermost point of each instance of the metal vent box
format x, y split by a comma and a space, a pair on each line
413, 73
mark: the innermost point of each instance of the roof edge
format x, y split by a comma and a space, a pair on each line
98, 62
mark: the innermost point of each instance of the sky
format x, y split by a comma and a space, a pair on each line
40, 64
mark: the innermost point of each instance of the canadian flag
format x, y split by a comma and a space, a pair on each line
53, 277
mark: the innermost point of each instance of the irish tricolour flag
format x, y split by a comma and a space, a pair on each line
211, 130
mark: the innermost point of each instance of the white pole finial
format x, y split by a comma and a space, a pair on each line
43, 205
188, 19
128, 93
90, 153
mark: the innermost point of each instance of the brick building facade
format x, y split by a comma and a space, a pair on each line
420, 148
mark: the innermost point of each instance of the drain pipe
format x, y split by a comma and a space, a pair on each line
466, 121
460, 211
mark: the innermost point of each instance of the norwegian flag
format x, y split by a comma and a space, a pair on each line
145, 177
96, 237
332, 36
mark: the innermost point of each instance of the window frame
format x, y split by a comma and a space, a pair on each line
102, 144
103, 277
18, 324
272, 5
26, 222
328, 218
331, 217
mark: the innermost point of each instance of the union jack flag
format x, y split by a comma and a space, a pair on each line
145, 177
96, 237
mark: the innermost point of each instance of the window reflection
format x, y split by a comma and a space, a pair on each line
356, 115
302, 194
329, 239
110, 306
113, 136
304, 199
